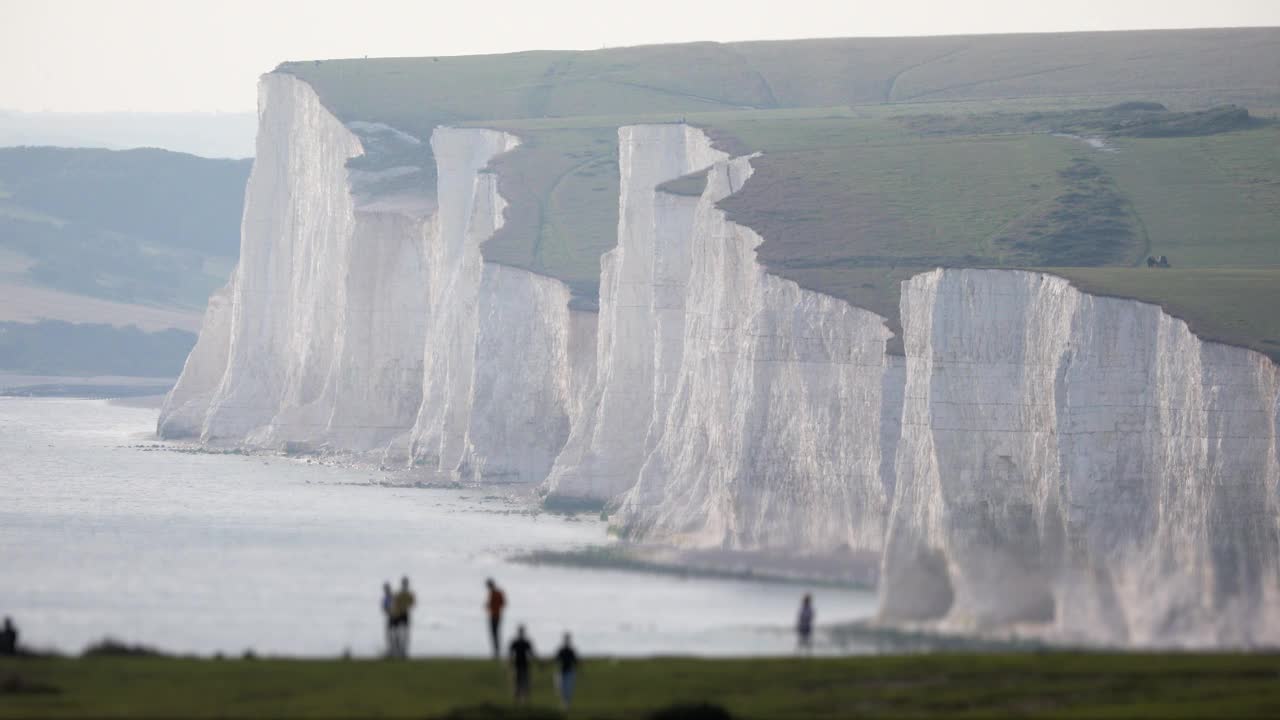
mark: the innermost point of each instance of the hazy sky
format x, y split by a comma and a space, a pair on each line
180, 55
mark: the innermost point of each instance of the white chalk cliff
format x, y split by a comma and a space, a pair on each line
370, 325
1081, 461
1040, 458
732, 408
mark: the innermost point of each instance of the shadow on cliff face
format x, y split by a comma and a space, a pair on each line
917, 590
1000, 575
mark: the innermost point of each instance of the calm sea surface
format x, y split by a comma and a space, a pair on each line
204, 553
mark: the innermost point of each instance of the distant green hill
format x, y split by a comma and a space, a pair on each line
53, 347
151, 231
884, 157
147, 226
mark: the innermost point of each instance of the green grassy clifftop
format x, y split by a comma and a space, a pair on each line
885, 157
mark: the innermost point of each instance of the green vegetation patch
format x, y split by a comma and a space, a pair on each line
1187, 124
1131, 119
1180, 685
573, 505
1204, 201
1088, 223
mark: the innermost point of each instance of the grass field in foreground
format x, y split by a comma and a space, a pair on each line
1010, 685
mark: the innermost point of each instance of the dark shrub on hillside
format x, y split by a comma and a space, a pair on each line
692, 711
500, 712
1207, 122
15, 684
1137, 106
53, 347
110, 647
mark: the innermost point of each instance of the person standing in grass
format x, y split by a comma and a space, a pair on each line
494, 605
388, 612
401, 609
567, 669
8, 638
804, 624
522, 657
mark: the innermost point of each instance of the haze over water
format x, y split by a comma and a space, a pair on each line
204, 553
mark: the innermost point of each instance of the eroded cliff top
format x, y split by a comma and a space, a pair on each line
884, 157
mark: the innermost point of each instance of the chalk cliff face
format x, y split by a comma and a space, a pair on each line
727, 399
642, 285
1080, 461
1041, 457
368, 324
187, 404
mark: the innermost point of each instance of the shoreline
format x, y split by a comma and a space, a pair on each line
719, 565
88, 387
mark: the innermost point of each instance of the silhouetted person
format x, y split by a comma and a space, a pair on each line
494, 605
1151, 262
567, 669
804, 624
402, 607
8, 638
522, 656
388, 612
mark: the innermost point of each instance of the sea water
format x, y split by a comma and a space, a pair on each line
106, 532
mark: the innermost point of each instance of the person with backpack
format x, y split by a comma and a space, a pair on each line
522, 657
401, 609
566, 671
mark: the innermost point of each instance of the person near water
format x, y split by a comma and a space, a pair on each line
401, 610
494, 605
8, 638
522, 657
804, 624
388, 608
567, 669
